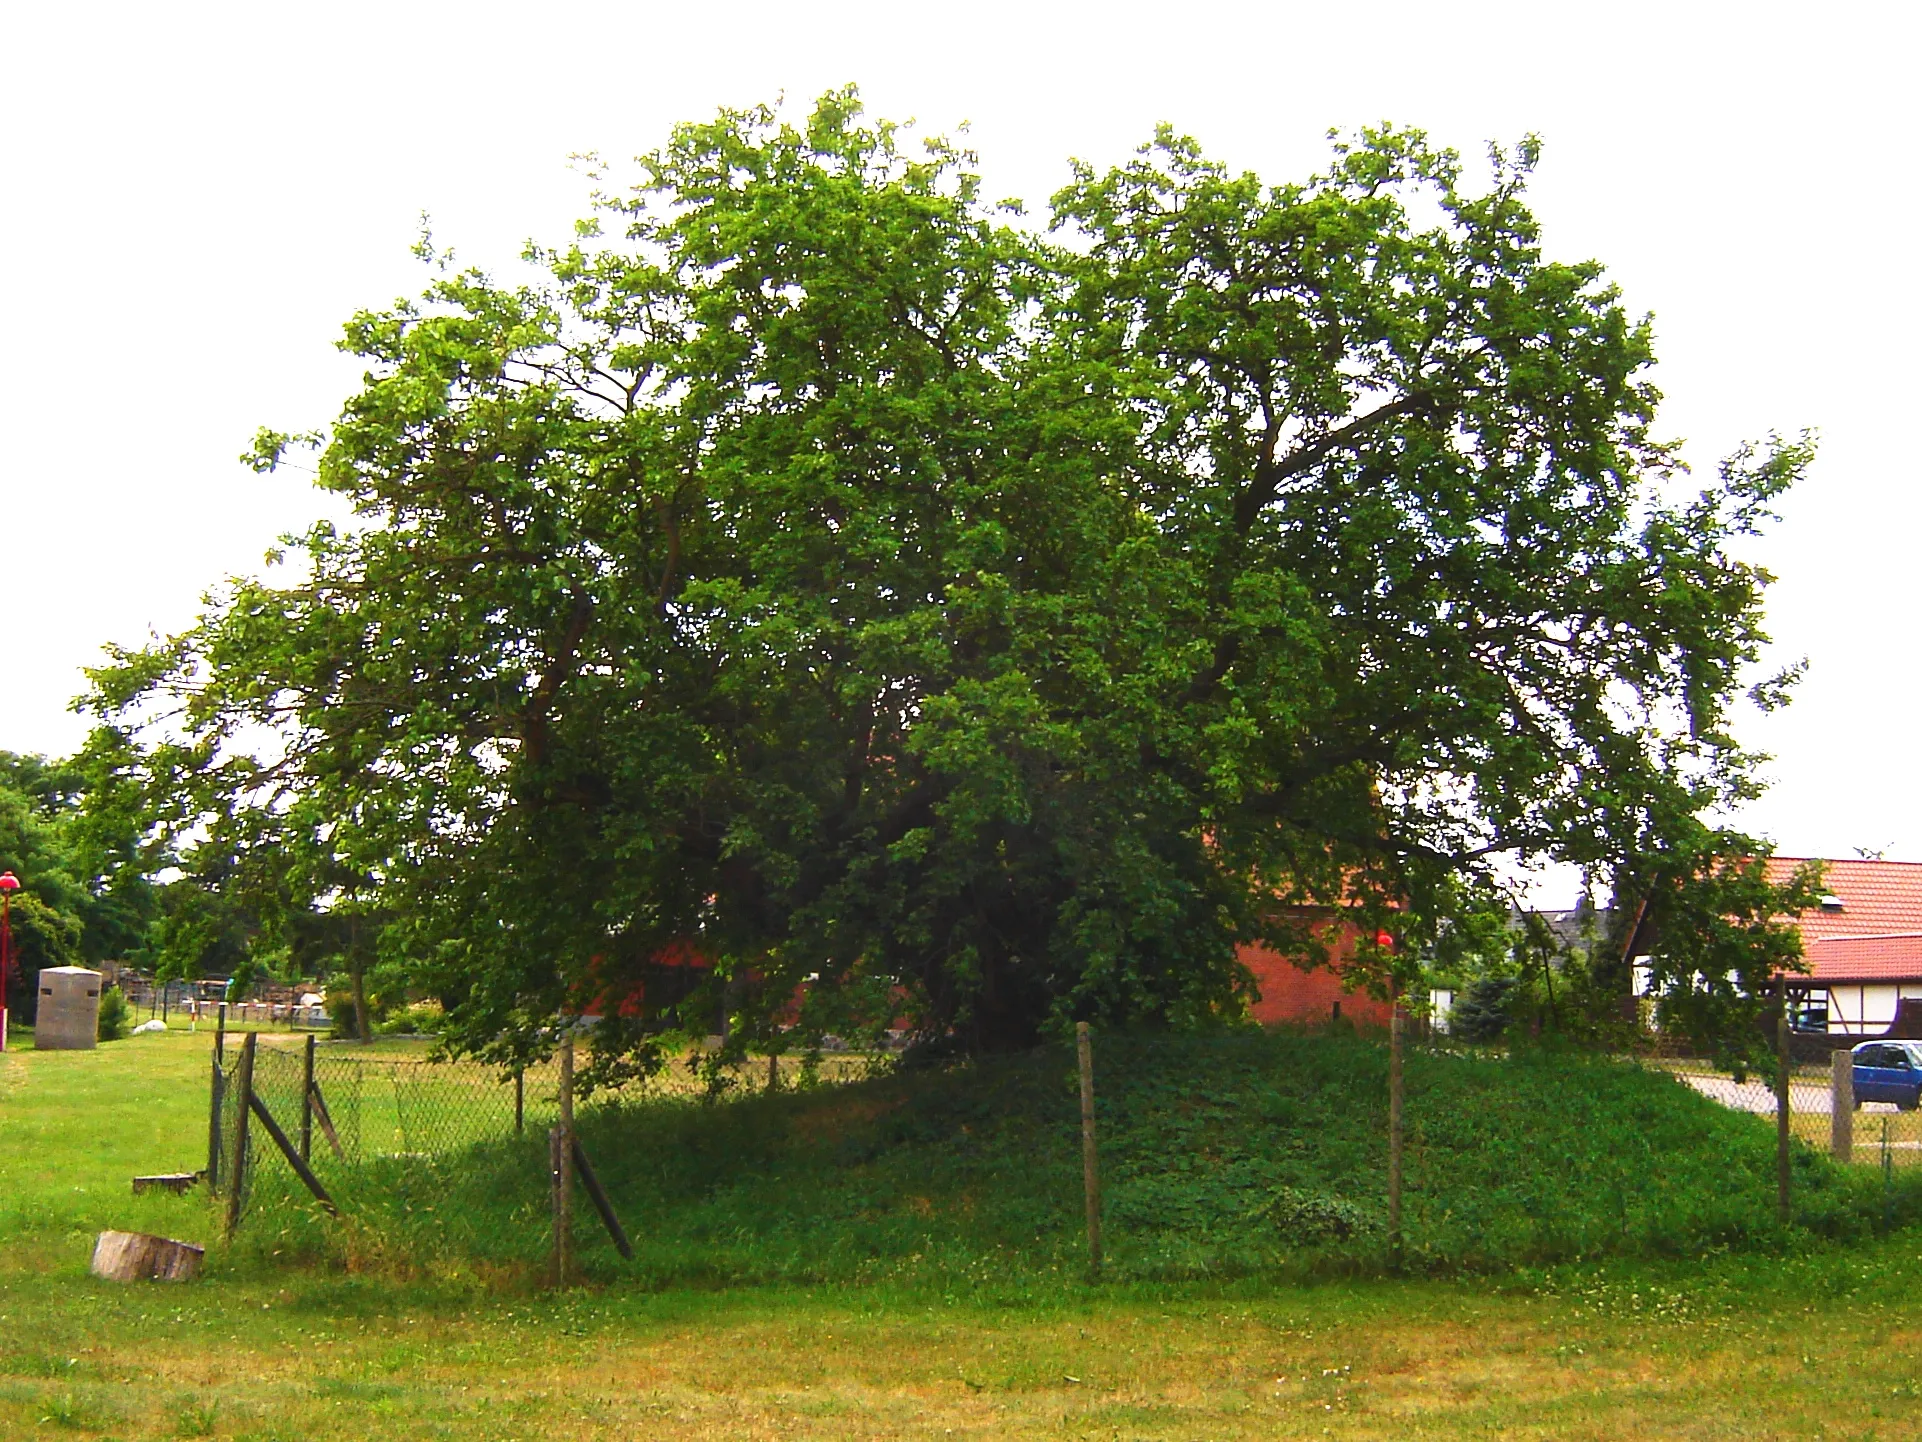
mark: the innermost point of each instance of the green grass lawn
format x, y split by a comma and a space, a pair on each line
1822, 1342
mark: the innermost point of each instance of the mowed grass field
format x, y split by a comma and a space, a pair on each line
1823, 1343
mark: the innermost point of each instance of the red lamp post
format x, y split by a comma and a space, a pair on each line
9, 883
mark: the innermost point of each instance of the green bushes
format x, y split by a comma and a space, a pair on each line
1247, 1153
115, 1015
420, 1018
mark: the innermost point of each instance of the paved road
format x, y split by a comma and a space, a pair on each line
1759, 1096
1812, 1099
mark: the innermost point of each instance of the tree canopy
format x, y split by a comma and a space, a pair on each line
932, 614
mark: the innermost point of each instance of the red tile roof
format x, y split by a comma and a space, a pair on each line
1879, 898
1896, 957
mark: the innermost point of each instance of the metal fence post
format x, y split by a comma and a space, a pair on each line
1888, 1180
555, 1151
216, 1086
1842, 1105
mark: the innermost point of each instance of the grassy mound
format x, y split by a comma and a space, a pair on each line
1222, 1155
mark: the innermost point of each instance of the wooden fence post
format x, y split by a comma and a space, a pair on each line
562, 1147
1782, 1103
1394, 1127
1090, 1170
307, 1101
237, 1173
216, 1088
555, 1147
1842, 1105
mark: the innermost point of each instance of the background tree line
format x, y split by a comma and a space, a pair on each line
89, 897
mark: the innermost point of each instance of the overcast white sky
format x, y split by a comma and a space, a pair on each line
196, 196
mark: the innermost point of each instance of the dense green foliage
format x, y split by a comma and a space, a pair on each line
974, 623
1256, 1153
1481, 1013
115, 1015
79, 902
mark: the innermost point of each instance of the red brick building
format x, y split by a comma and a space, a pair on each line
1289, 994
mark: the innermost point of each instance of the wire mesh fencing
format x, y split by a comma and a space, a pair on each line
347, 1114
414, 1151
340, 1112
1875, 1132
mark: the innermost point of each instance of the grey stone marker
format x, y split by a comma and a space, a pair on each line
68, 1017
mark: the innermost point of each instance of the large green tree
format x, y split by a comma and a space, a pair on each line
979, 623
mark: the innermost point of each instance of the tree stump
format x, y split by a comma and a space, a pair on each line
134, 1256
176, 1182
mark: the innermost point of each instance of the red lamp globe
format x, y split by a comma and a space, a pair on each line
8, 881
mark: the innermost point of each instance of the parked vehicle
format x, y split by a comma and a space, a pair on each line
1888, 1071
1814, 1017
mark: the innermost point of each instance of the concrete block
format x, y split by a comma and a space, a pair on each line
68, 1017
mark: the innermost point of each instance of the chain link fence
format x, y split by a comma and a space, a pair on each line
1881, 1133
341, 1111
344, 1110
384, 1135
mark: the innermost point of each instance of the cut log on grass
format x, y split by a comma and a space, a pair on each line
136, 1256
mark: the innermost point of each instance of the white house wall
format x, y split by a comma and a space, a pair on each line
1869, 1009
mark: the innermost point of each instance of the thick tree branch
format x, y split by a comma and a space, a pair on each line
1270, 473
536, 733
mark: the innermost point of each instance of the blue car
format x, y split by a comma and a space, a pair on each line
1889, 1071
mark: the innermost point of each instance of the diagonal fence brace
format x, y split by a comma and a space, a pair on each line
292, 1153
585, 1169
326, 1121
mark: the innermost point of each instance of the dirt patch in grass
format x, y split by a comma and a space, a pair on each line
830, 1117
